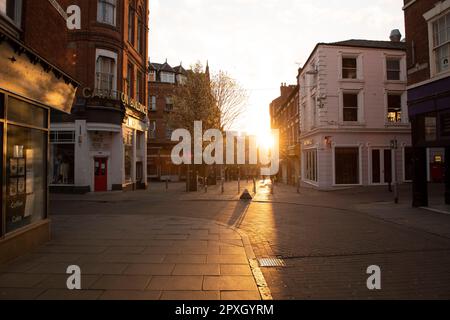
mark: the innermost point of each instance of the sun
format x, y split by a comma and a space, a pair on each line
265, 140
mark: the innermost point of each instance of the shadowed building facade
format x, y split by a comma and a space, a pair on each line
35, 78
428, 47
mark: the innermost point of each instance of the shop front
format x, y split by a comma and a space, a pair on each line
29, 88
92, 156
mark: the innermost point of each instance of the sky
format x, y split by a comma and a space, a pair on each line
262, 43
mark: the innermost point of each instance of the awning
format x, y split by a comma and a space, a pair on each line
24, 72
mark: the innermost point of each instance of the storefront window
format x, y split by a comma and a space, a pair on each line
2, 105
62, 157
128, 152
25, 176
22, 112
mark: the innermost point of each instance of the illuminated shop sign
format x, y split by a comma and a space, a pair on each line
115, 95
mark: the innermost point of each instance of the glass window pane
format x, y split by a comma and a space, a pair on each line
22, 112
62, 162
347, 165
2, 106
25, 177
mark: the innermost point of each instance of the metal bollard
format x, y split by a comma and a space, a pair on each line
167, 184
206, 187
223, 185
299, 184
254, 185
239, 185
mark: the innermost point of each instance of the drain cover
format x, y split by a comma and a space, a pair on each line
271, 262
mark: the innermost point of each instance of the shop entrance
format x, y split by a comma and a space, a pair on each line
381, 166
101, 174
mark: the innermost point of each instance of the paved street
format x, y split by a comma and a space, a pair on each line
160, 244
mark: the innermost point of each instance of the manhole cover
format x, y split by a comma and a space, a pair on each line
271, 262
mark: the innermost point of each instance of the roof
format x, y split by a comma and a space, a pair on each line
153, 66
180, 70
359, 43
370, 44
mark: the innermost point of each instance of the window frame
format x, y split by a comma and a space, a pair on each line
101, 17
441, 9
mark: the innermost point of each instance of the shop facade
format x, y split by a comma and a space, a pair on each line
30, 87
97, 156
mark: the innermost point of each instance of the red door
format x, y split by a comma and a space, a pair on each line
101, 173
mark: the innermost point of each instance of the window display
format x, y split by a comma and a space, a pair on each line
26, 183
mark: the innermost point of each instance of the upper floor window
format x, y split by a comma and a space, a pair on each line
130, 80
139, 90
13, 10
152, 130
349, 68
169, 104
105, 72
350, 107
140, 46
167, 77
106, 11
394, 108
441, 36
152, 103
152, 76
131, 25
393, 69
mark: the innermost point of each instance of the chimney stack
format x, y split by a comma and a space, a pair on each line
395, 36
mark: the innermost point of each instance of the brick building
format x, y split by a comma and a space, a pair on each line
285, 116
428, 54
35, 77
163, 80
101, 146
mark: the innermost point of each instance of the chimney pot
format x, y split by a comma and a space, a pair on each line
395, 36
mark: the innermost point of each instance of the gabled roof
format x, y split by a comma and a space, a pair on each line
180, 70
153, 66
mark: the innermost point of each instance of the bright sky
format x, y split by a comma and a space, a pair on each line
262, 43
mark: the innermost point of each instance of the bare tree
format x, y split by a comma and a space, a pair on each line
229, 97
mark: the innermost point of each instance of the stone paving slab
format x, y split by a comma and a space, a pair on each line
134, 258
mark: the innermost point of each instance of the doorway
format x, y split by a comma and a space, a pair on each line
381, 166
101, 174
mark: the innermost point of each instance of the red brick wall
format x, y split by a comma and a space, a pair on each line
44, 30
160, 91
417, 33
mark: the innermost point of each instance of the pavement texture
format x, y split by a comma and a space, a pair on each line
167, 244
135, 257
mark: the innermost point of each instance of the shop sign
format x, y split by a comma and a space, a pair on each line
34, 80
133, 104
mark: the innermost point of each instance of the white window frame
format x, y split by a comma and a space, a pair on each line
404, 107
402, 60
361, 115
305, 176
167, 77
152, 103
359, 65
440, 9
103, 4
111, 55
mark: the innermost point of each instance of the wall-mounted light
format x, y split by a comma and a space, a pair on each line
328, 141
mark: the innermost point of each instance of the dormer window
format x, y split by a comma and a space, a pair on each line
167, 77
